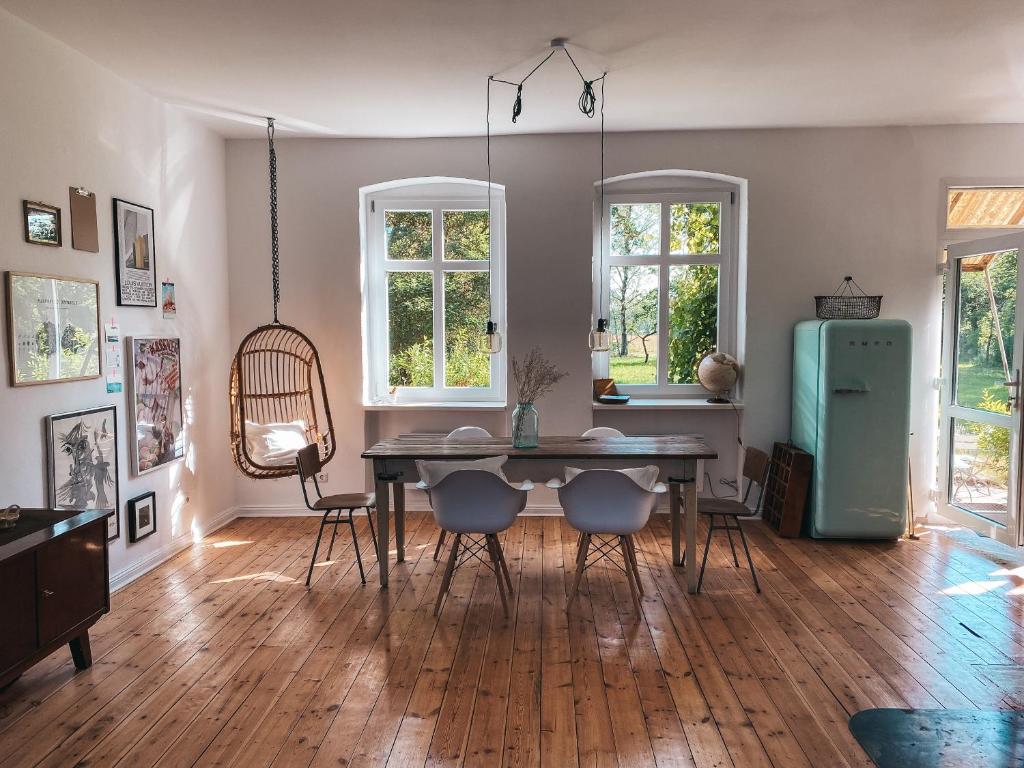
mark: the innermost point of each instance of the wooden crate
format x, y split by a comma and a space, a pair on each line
785, 493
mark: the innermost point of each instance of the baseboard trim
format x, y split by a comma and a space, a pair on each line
127, 575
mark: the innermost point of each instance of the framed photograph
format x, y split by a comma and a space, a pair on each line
154, 366
134, 254
53, 326
167, 300
82, 462
42, 223
141, 517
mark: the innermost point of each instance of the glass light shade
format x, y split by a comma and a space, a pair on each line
493, 338
600, 339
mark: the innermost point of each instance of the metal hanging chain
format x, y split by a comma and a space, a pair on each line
275, 253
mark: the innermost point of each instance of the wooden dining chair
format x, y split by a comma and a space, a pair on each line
755, 471
309, 465
461, 434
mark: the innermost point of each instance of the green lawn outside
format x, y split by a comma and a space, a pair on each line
633, 370
972, 381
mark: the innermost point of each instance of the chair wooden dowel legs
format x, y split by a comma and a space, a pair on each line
492, 549
581, 564
630, 573
504, 565
633, 561
440, 544
449, 568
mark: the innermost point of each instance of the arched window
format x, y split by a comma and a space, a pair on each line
428, 289
670, 280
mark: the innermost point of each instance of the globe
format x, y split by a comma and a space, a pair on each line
717, 373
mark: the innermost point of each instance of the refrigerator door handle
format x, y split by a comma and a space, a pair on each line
851, 390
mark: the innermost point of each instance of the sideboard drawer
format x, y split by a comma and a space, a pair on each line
17, 609
71, 580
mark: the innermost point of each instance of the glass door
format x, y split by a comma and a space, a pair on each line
981, 408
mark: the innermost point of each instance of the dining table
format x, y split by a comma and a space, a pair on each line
679, 458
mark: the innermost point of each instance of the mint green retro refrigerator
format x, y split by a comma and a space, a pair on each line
851, 411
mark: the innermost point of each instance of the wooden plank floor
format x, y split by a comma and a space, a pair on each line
222, 657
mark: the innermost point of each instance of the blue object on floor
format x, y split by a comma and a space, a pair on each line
929, 738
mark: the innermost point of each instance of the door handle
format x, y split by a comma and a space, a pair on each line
850, 391
48, 593
1013, 396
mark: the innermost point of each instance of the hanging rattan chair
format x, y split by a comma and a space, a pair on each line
277, 383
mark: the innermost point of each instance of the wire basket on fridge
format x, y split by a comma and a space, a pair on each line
849, 302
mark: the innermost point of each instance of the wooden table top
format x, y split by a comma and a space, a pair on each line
628, 447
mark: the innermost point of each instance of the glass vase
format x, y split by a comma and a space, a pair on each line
525, 426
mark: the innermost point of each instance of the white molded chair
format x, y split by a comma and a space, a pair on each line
603, 432
607, 508
461, 434
476, 505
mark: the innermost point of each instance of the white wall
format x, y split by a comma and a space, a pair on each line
68, 122
823, 203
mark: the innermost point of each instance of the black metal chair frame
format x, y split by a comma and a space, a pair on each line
724, 526
324, 521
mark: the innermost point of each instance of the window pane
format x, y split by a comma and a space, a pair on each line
409, 234
693, 319
467, 362
411, 329
636, 229
983, 339
981, 207
634, 325
980, 471
694, 228
465, 235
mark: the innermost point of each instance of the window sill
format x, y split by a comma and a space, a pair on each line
668, 404
435, 406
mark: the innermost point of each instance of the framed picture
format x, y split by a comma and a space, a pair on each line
167, 300
134, 254
82, 462
53, 326
154, 366
141, 517
42, 223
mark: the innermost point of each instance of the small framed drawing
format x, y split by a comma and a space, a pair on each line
42, 223
82, 462
53, 326
155, 406
134, 254
141, 517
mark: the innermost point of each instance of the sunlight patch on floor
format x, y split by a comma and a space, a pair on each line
231, 543
974, 587
265, 576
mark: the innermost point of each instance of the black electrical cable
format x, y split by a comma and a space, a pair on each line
588, 99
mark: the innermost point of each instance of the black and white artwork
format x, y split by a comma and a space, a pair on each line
141, 517
134, 254
83, 462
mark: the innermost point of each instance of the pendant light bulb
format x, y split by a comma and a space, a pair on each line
600, 339
493, 338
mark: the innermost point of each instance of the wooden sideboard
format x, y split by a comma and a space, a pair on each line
53, 586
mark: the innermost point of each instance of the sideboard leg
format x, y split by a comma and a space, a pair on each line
81, 651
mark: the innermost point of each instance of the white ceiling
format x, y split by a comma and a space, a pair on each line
419, 67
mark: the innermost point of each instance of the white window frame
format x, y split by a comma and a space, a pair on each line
436, 195
667, 188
